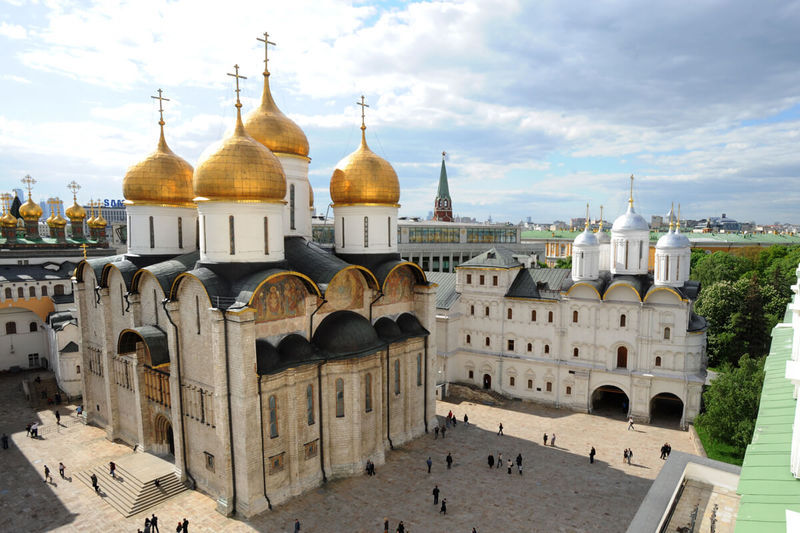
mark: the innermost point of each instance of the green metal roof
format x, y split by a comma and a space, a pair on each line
766, 484
444, 190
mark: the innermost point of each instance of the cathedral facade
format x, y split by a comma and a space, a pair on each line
227, 341
606, 335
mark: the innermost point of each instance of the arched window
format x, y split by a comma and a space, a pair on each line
44, 290
530, 347
339, 397
533, 315
482, 279
530, 383
622, 320
397, 376
58, 290
549, 316
658, 360
486, 311
509, 313
180, 232
266, 235
291, 206
546, 349
469, 339
197, 312
575, 352
419, 370
342, 238
569, 390
33, 327
20, 292
11, 328
78, 369
511, 381
366, 232
488, 342
273, 417
368, 393
471, 309
469, 279
666, 334
575, 316
389, 230
622, 357
310, 404
494, 281
231, 235
152, 234
32, 292
8, 293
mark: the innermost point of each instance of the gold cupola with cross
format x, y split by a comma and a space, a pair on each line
30, 210
162, 178
364, 177
268, 125
239, 168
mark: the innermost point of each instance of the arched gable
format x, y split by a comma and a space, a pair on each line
621, 290
584, 290
663, 295
281, 296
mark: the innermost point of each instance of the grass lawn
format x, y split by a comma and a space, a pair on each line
717, 450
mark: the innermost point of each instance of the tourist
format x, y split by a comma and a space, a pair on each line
385, 525
444, 507
58, 418
630, 424
500, 431
94, 483
179, 527
630, 455
625, 455
499, 459
436, 432
519, 459
5, 441
491, 461
296, 525
61, 469
185, 526
449, 460
28, 430
509, 464
669, 449
444, 428
553, 441
663, 451
35, 430
592, 453
466, 420
146, 525
79, 410
112, 469
545, 439
435, 494
154, 523
400, 527
429, 463
47, 474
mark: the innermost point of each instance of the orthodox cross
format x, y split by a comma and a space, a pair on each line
363, 106
73, 187
84, 250
630, 200
6, 198
91, 208
29, 182
237, 76
160, 99
587, 215
54, 206
266, 42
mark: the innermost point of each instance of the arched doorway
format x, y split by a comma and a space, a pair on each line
487, 381
164, 440
171, 441
608, 400
622, 357
666, 409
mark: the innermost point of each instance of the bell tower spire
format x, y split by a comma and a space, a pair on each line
443, 205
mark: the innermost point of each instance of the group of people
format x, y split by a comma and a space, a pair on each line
370, 468
32, 430
552, 439
509, 464
443, 507
627, 455
665, 450
151, 526
61, 472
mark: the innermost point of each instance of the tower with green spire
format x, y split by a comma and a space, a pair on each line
443, 206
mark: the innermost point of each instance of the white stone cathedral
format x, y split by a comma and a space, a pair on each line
227, 342
607, 334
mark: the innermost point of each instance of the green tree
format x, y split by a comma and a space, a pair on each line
718, 304
564, 263
731, 403
720, 266
697, 255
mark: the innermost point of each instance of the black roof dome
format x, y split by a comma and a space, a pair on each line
346, 333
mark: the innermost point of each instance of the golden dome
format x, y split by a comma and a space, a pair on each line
268, 125
162, 178
97, 221
30, 210
8, 220
56, 221
364, 177
240, 168
75, 211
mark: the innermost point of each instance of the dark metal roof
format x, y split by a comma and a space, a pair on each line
293, 350
154, 338
166, 271
540, 283
58, 319
44, 272
312, 260
267, 358
497, 257
345, 333
410, 326
381, 265
696, 322
71, 347
388, 329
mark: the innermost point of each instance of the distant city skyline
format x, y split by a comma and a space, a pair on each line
541, 108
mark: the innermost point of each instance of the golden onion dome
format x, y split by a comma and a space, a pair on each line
8, 220
30, 210
162, 178
239, 168
268, 125
98, 221
364, 177
75, 211
57, 221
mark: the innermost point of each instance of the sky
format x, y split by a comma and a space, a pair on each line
541, 106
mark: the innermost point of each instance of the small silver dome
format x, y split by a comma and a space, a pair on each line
586, 238
630, 221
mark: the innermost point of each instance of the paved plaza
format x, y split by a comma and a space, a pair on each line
559, 490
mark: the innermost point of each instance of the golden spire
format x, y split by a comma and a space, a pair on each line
363, 123
586, 226
7, 220
671, 213
162, 143
678, 223
239, 131
53, 204
74, 188
630, 200
91, 212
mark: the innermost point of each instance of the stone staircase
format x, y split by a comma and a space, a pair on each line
134, 490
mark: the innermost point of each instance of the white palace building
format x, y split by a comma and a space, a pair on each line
607, 335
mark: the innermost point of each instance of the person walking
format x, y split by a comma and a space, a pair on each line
5, 441
449, 460
112, 469
47, 474
466, 420
491, 461
663, 451
154, 524
435, 494
443, 509
385, 525
401, 528
94, 483
185, 526
630, 455
58, 418
28, 430
545, 439
296, 525
499, 459
630, 424
592, 453
436, 432
61, 469
500, 431
509, 464
669, 450
519, 459
553, 440
625, 456
179, 527
444, 429
429, 463
146, 525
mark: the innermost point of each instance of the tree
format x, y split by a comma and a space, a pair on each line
731, 403
564, 263
718, 304
720, 266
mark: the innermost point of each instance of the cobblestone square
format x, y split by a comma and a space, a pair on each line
558, 491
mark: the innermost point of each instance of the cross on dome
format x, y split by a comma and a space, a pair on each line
160, 99
238, 77
29, 183
266, 42
73, 187
363, 106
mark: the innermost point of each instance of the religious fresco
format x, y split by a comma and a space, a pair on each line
279, 299
346, 291
399, 287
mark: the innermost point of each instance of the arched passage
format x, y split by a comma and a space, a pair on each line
487, 381
164, 440
666, 409
608, 400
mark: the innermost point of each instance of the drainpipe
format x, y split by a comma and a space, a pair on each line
425, 392
180, 389
230, 415
311, 318
97, 294
321, 424
380, 295
388, 400
261, 426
